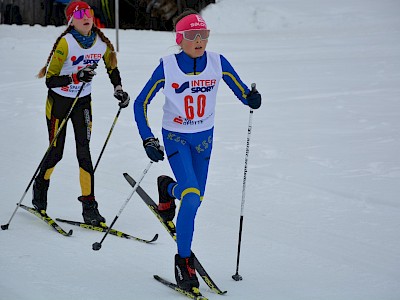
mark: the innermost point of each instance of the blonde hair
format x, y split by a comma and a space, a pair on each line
113, 54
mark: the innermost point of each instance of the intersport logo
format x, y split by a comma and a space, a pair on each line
196, 86
87, 59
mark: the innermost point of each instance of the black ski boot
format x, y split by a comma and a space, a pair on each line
39, 194
90, 212
166, 203
185, 274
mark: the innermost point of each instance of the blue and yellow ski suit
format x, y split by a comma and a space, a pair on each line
188, 153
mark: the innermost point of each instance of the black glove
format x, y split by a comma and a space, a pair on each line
254, 98
84, 75
153, 149
122, 96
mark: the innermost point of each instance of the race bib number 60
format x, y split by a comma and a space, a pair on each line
192, 106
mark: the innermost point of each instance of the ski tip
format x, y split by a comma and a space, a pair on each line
70, 232
155, 238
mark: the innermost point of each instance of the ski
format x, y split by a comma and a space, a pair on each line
169, 226
112, 231
43, 216
153, 207
190, 294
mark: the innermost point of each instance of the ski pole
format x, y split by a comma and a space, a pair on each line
236, 276
97, 246
5, 227
108, 137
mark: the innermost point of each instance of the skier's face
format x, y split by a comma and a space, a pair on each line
83, 25
194, 48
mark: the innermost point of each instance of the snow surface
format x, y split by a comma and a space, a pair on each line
322, 212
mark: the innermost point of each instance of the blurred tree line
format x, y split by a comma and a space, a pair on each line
133, 14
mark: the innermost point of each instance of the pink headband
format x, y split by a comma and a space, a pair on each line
190, 22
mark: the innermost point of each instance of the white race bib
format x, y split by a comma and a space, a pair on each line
190, 99
77, 59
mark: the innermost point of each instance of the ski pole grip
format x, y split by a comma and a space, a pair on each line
253, 90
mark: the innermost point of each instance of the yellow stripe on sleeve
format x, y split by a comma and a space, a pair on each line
148, 98
236, 82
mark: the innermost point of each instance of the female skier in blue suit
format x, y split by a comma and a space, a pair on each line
190, 82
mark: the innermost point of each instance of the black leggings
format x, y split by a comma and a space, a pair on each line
57, 108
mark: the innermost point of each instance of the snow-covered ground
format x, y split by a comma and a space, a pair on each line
322, 211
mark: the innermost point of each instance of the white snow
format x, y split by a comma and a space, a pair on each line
322, 211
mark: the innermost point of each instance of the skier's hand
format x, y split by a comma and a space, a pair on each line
254, 98
122, 96
84, 75
153, 149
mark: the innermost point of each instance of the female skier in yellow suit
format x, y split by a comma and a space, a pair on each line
70, 65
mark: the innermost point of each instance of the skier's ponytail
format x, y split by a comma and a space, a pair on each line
42, 71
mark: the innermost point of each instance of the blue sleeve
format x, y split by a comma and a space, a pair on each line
233, 80
155, 83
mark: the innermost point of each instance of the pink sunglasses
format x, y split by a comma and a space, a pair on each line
191, 35
79, 14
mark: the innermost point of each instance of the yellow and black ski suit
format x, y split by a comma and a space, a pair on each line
58, 106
